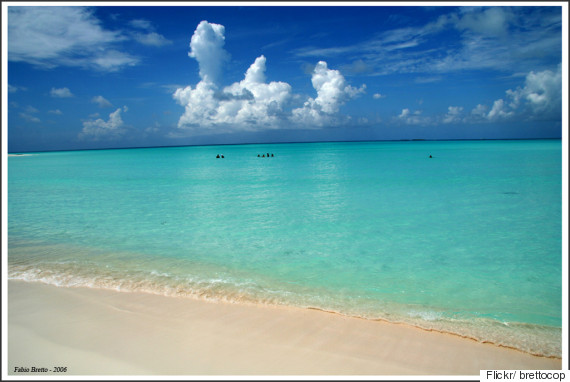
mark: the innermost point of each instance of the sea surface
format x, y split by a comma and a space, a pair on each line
467, 242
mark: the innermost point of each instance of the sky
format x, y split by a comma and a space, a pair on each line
133, 75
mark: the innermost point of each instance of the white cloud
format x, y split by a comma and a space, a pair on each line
149, 37
51, 36
453, 114
30, 118
152, 39
14, 89
31, 110
61, 93
253, 103
207, 47
480, 111
332, 93
499, 110
540, 98
56, 111
101, 101
415, 118
517, 38
140, 24
493, 21
100, 129
378, 96
542, 92
200, 105
113, 60
28, 112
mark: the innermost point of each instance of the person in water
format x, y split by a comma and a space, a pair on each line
218, 156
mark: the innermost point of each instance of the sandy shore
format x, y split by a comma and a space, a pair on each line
99, 332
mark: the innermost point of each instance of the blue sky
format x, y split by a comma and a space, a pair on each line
131, 76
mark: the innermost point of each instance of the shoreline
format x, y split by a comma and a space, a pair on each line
104, 332
530, 342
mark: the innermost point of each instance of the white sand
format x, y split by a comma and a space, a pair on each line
99, 332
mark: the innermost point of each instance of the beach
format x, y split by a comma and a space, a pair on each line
103, 332
351, 258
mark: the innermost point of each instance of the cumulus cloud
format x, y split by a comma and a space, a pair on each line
332, 93
480, 111
542, 92
49, 36
60, 93
255, 102
101, 101
56, 112
378, 96
499, 110
100, 129
409, 118
453, 114
251, 104
539, 98
332, 89
207, 47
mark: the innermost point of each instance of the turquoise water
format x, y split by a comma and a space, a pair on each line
468, 242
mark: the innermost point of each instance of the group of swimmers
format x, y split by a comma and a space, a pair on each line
264, 156
258, 155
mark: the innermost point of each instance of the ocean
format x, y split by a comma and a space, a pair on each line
468, 241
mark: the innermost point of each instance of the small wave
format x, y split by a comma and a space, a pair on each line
161, 274
426, 315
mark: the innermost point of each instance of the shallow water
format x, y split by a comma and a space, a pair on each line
468, 241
